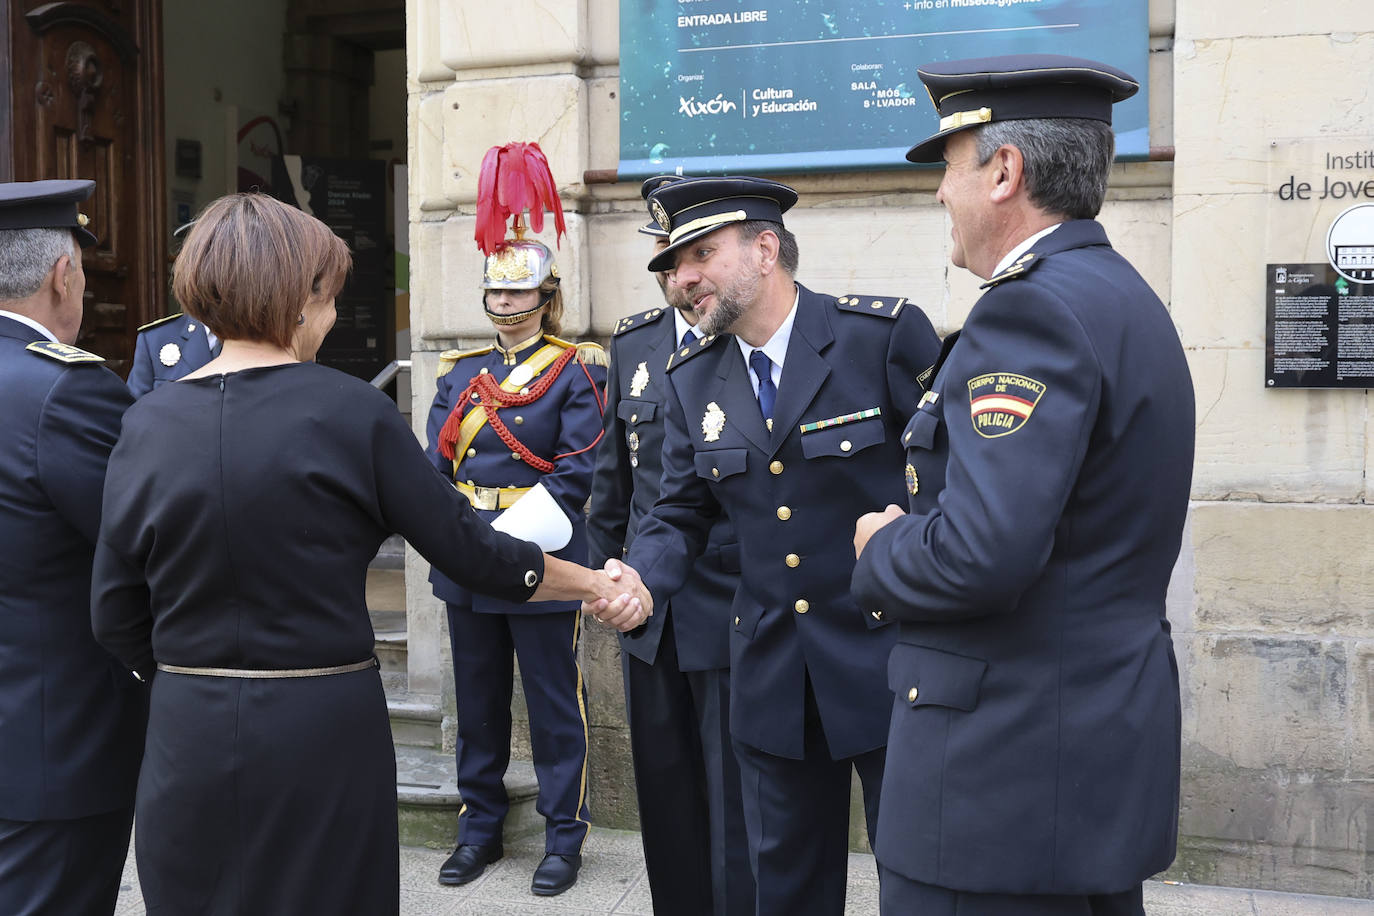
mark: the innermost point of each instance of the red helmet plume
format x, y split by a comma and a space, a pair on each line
515, 178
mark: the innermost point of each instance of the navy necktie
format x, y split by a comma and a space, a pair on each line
688, 338
768, 392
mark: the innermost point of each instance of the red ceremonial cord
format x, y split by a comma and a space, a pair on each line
491, 396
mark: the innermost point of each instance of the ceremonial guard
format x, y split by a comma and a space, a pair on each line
1033, 759
514, 424
676, 666
789, 427
71, 717
168, 349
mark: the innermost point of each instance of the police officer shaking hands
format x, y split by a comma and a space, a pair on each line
1033, 757
790, 427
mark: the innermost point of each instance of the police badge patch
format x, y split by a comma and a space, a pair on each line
1000, 403
640, 380
712, 422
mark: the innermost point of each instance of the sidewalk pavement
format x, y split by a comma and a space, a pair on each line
613, 882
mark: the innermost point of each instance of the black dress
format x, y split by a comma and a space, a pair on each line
244, 510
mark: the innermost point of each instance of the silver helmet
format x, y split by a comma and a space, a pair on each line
519, 264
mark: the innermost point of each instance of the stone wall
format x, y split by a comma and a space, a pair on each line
1273, 598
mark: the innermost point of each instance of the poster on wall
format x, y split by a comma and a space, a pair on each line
1319, 279
749, 86
349, 196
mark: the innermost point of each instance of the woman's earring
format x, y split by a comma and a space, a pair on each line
300, 319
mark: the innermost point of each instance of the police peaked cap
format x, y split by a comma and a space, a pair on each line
651, 184
693, 207
1016, 87
49, 204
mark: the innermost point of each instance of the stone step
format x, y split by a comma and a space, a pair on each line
415, 721
428, 800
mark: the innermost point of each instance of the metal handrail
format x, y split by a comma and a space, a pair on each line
389, 372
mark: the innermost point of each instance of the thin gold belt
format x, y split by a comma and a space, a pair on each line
269, 672
491, 498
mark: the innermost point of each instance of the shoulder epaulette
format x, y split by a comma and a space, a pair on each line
160, 321
1019, 268
63, 353
682, 354
637, 320
882, 306
448, 358
558, 341
593, 354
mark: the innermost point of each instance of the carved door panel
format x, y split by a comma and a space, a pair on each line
87, 103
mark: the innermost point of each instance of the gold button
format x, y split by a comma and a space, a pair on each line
846, 445
472, 453
802, 606
515, 455
877, 615
634, 418
471, 484
715, 472
684, 352
736, 621
907, 437
784, 513
912, 694
775, 467
519, 420
482, 371
793, 560
524, 391
476, 396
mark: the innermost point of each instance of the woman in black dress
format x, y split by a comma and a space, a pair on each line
242, 506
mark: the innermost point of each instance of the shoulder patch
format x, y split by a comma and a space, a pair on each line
882, 306
638, 320
1019, 268
448, 358
682, 354
63, 353
593, 354
160, 321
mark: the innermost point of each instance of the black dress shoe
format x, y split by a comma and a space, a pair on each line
555, 875
468, 862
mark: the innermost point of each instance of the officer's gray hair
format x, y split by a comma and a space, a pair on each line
26, 257
1067, 160
789, 256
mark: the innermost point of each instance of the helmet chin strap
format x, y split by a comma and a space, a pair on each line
505, 320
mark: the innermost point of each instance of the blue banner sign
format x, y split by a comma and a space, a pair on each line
752, 86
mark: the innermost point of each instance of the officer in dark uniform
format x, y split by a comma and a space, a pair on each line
1033, 759
168, 349
789, 427
677, 665
514, 425
71, 717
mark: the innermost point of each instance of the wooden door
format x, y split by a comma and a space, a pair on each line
86, 102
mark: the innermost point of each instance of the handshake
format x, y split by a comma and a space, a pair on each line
621, 599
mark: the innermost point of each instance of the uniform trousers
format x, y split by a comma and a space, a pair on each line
902, 896
797, 815
63, 868
687, 782
556, 697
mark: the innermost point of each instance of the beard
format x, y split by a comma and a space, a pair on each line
732, 301
676, 297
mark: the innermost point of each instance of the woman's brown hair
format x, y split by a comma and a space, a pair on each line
251, 262
552, 320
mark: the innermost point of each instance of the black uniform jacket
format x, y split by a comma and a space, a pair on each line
629, 467
848, 386
1035, 732
71, 717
